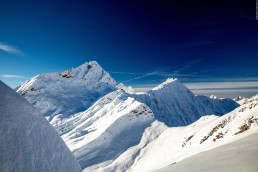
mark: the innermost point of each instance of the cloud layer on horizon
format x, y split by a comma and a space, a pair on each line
219, 89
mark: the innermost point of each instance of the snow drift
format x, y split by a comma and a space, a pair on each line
28, 141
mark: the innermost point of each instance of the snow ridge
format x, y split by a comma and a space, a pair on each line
166, 83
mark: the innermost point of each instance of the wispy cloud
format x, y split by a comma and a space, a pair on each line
12, 76
128, 73
165, 72
10, 49
186, 66
142, 76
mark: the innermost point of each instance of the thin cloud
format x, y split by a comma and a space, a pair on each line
142, 76
168, 74
222, 85
163, 74
128, 73
229, 89
11, 76
186, 66
227, 93
10, 49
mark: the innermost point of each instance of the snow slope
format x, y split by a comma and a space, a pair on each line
28, 142
178, 143
240, 155
107, 129
161, 145
69, 92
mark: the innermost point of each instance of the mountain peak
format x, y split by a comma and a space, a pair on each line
68, 92
168, 82
89, 65
213, 97
91, 72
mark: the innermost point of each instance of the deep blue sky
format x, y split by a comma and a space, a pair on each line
139, 42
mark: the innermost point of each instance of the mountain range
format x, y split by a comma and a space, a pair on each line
111, 127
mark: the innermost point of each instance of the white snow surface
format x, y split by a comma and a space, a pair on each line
164, 84
239, 156
106, 130
28, 143
69, 92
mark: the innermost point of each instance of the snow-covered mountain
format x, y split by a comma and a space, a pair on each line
206, 133
117, 122
59, 95
241, 100
161, 145
27, 141
108, 126
175, 105
68, 92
